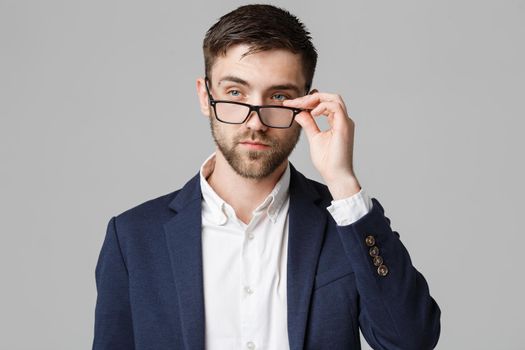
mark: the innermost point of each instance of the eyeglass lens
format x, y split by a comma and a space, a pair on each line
271, 116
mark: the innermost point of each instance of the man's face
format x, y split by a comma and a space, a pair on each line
262, 78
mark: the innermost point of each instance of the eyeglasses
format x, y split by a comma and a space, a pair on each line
233, 112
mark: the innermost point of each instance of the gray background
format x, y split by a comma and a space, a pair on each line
99, 113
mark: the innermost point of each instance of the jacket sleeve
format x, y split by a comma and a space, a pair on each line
396, 309
113, 322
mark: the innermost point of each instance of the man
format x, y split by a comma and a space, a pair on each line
250, 254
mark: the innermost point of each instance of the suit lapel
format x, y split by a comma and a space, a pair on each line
305, 235
183, 236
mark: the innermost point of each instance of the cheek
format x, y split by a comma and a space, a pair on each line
223, 132
291, 136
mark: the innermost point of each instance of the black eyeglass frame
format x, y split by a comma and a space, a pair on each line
255, 108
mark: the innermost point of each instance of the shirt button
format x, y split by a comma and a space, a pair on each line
250, 345
248, 290
250, 235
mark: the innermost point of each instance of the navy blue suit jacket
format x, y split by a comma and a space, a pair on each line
150, 286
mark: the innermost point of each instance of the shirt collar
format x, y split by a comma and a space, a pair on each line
271, 204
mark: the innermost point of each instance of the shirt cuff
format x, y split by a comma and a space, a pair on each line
348, 210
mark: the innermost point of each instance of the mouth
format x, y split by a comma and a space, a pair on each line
254, 145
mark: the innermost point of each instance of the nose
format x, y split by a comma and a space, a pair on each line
254, 122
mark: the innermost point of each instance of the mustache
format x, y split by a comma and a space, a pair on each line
255, 137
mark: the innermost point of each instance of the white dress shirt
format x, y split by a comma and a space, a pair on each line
244, 265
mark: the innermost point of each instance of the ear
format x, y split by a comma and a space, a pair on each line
203, 97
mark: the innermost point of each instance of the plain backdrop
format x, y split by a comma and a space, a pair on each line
99, 113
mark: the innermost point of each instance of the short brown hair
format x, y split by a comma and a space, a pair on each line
262, 27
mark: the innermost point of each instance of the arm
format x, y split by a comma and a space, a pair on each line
396, 309
113, 322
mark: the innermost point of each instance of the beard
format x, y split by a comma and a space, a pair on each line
253, 164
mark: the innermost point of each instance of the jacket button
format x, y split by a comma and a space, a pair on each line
370, 240
382, 270
378, 261
374, 251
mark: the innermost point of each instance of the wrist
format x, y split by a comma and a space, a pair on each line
343, 187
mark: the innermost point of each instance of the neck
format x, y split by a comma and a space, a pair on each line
243, 194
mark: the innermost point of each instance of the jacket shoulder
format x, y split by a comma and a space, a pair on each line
154, 209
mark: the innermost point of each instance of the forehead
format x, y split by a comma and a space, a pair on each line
264, 68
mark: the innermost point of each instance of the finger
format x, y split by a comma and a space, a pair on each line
304, 102
326, 97
297, 101
334, 112
307, 122
311, 101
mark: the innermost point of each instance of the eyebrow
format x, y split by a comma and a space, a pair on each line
241, 81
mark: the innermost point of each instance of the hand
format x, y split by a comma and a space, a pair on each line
331, 150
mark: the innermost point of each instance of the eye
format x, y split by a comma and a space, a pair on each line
234, 93
280, 97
